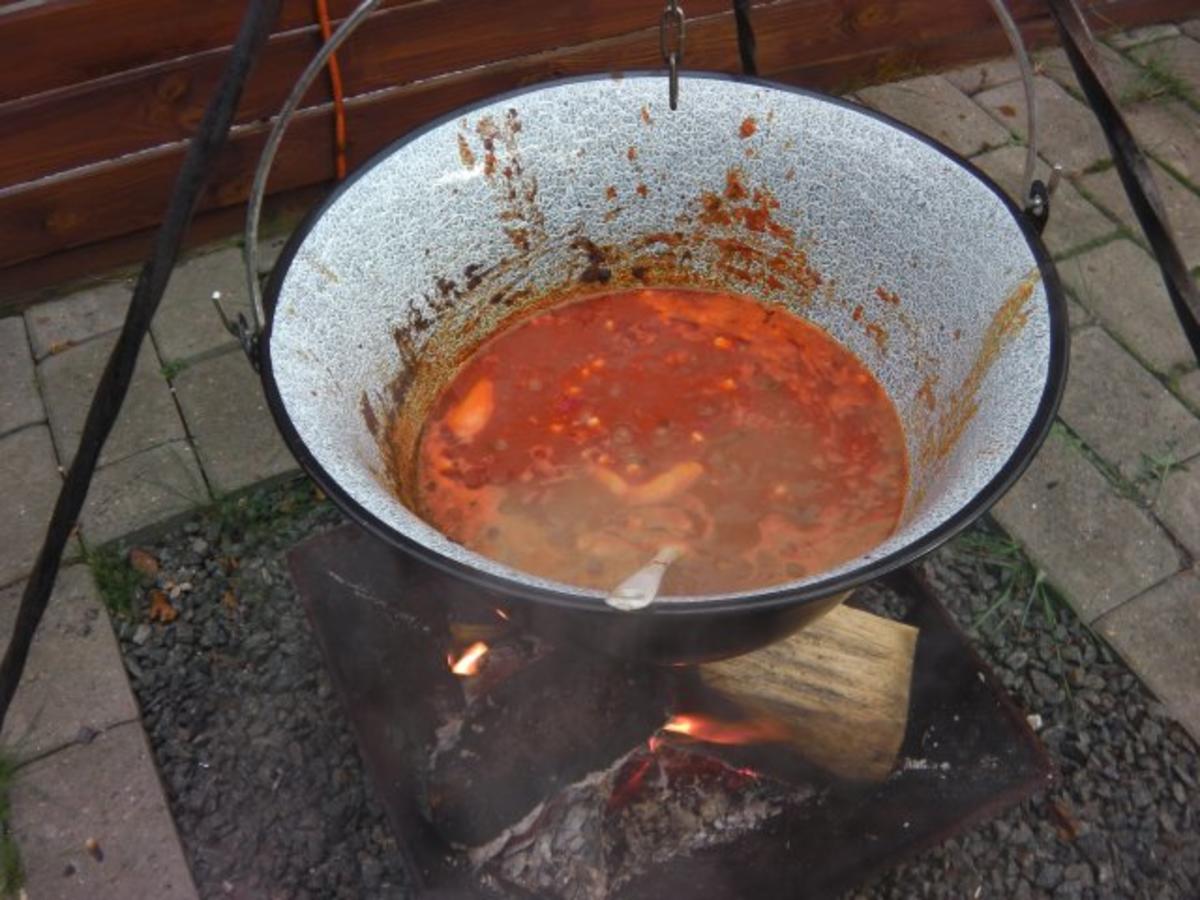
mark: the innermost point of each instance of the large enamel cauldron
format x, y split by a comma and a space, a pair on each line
898, 248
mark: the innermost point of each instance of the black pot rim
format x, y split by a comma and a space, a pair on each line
1039, 426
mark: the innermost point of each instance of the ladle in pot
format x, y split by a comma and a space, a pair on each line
639, 589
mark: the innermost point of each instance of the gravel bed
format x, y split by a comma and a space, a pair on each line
1123, 820
269, 795
261, 770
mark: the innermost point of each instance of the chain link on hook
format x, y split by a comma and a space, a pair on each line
670, 42
246, 336
1037, 204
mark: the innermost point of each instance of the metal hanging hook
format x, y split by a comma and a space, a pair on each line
248, 333
1036, 193
671, 28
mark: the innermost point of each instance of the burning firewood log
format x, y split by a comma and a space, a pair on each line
833, 697
836, 692
553, 722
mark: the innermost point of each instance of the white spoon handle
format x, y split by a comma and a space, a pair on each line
639, 589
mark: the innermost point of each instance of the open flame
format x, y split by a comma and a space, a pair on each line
714, 731
469, 662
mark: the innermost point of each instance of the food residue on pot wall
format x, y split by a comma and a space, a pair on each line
727, 238
961, 404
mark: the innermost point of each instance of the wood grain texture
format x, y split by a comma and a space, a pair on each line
130, 193
48, 208
64, 42
840, 687
47, 276
161, 104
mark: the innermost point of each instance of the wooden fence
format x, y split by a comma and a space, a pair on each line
98, 97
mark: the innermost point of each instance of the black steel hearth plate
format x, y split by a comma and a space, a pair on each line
380, 619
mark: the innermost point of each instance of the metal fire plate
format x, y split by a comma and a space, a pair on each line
381, 620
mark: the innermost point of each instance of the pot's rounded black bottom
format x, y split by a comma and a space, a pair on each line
670, 638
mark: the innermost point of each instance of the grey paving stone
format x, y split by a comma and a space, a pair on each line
148, 416
1180, 56
1122, 286
1170, 131
1183, 206
1136, 37
29, 483
77, 317
107, 791
1073, 220
1123, 74
74, 679
20, 402
1188, 387
984, 75
935, 106
227, 417
1077, 316
141, 492
1098, 548
1191, 28
1158, 635
1178, 506
1120, 410
1069, 136
186, 326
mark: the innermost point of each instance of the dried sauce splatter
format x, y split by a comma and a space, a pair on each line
748, 127
735, 188
887, 296
962, 403
464, 153
925, 392
876, 333
368, 415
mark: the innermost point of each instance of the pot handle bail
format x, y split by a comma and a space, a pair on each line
1036, 192
248, 333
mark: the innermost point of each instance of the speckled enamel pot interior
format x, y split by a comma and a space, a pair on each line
898, 248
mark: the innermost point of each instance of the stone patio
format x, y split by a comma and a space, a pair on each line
1110, 508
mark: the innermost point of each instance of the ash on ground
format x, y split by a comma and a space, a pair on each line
270, 798
652, 805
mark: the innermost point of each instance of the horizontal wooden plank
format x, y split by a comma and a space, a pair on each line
162, 104
127, 195
47, 276
130, 193
64, 42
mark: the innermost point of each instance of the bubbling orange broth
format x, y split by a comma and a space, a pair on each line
579, 442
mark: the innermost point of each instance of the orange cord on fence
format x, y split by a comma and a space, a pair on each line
339, 102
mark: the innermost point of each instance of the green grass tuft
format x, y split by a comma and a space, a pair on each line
1157, 81
170, 370
1019, 577
1155, 469
247, 514
116, 579
12, 871
1100, 165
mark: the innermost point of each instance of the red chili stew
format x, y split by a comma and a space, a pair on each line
579, 442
